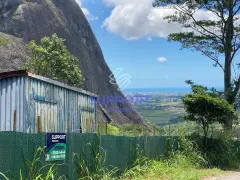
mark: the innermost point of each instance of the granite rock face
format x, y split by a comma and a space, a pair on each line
25, 20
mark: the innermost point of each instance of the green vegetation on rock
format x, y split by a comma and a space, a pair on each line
52, 59
3, 42
56, 13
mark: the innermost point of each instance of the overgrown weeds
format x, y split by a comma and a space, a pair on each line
90, 163
36, 169
219, 149
222, 152
3, 42
189, 160
131, 130
185, 164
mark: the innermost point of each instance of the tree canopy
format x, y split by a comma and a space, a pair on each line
206, 107
216, 36
52, 59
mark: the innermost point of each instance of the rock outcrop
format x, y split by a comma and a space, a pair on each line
25, 20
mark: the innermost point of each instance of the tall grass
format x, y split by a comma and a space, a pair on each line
187, 163
222, 152
132, 130
219, 149
36, 169
172, 171
90, 163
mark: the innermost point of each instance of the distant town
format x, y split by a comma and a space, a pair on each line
163, 108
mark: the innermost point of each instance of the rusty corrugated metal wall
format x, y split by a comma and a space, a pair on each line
59, 108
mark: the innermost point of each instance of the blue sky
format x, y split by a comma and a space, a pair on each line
140, 46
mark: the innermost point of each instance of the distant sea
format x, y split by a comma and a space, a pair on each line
148, 90
164, 90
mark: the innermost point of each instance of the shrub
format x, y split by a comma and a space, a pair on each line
206, 107
52, 59
3, 42
222, 152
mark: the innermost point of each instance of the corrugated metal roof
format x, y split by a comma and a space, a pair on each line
57, 83
9, 74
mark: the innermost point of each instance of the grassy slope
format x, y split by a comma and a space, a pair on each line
161, 170
160, 116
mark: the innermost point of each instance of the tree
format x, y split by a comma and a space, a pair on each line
218, 37
205, 107
52, 59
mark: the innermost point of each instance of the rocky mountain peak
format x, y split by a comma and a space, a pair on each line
25, 20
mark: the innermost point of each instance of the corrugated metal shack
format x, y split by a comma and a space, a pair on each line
32, 103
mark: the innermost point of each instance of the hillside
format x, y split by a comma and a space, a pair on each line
25, 20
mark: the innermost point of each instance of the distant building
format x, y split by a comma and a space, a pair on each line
32, 103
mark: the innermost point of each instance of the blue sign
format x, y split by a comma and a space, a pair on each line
56, 144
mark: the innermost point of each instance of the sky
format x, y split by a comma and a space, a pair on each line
133, 37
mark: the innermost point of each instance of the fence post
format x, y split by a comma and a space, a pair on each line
68, 124
80, 128
98, 128
15, 120
39, 124
106, 128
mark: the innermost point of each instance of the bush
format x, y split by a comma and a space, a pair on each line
183, 164
206, 107
222, 152
52, 59
149, 129
3, 42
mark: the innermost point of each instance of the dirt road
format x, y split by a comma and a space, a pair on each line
232, 176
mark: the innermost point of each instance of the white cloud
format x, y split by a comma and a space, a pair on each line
134, 19
86, 12
88, 15
79, 2
149, 38
162, 59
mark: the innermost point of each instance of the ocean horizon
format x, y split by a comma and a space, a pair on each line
176, 89
167, 90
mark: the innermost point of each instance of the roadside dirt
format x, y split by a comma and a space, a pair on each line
231, 176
